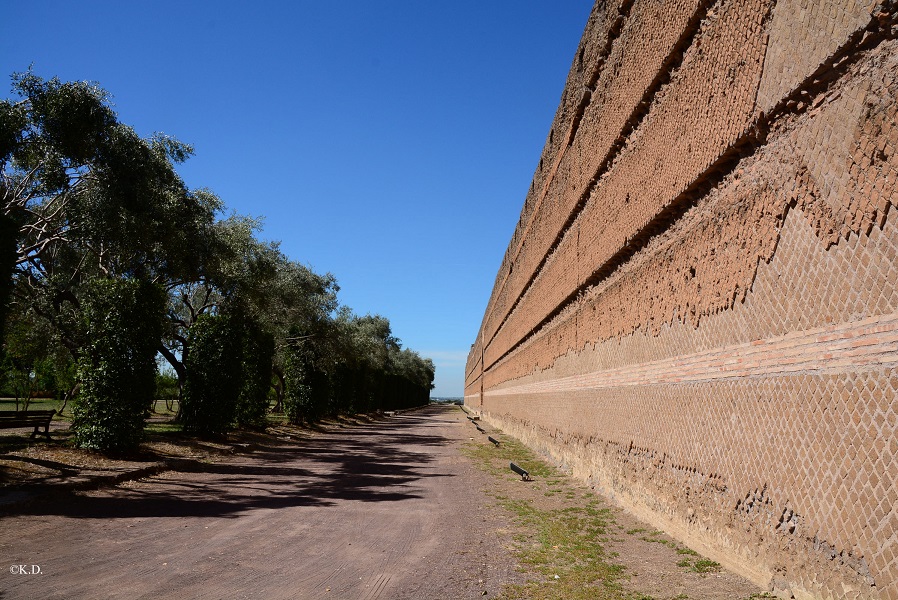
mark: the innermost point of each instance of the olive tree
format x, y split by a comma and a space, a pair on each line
89, 198
96, 212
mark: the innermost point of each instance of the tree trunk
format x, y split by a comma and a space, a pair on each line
279, 391
180, 371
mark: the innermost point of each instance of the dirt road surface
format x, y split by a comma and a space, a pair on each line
374, 511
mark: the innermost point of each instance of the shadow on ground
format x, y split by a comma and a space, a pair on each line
375, 462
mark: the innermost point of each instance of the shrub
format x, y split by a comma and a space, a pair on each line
123, 324
297, 391
214, 375
258, 353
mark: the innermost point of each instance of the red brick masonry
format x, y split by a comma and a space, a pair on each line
849, 347
698, 310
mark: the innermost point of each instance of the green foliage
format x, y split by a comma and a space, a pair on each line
347, 388
117, 368
258, 352
33, 363
89, 198
166, 386
370, 370
298, 404
214, 375
88, 179
25, 352
8, 234
255, 279
351, 364
706, 566
299, 396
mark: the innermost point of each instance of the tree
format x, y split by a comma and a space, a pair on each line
255, 279
167, 387
96, 210
359, 366
89, 198
299, 314
8, 235
27, 349
234, 266
90, 211
299, 404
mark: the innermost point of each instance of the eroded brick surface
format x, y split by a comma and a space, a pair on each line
699, 308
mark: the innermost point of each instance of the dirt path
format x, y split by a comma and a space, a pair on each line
376, 511
419, 505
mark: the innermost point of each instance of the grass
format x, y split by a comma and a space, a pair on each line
701, 565
564, 550
695, 565
154, 428
560, 547
655, 537
33, 404
167, 427
494, 460
159, 427
705, 566
158, 408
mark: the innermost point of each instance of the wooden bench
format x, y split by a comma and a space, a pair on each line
10, 419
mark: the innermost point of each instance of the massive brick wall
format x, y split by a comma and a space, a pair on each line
698, 309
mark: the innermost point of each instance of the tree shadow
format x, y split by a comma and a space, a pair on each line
383, 461
63, 470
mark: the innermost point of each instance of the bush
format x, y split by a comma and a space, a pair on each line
258, 353
298, 404
123, 324
214, 375
307, 396
344, 388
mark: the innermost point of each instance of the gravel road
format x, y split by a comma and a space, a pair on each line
372, 511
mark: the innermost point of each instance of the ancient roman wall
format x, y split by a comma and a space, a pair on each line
698, 309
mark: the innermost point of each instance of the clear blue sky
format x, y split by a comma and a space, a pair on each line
388, 142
